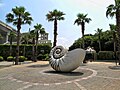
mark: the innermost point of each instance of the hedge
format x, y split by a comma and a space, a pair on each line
105, 55
43, 57
42, 49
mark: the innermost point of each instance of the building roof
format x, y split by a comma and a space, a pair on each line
7, 26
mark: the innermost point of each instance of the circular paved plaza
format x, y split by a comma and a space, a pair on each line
40, 76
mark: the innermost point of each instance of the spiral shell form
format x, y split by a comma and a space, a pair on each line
66, 61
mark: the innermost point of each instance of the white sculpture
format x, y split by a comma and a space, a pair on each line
66, 61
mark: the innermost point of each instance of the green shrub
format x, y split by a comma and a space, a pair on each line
10, 58
43, 57
1, 58
22, 58
5, 52
47, 57
29, 55
105, 55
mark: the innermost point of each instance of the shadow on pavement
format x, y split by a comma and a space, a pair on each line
3, 66
38, 66
114, 67
65, 73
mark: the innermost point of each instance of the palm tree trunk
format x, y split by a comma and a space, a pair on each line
55, 33
99, 45
114, 46
83, 45
118, 31
10, 46
36, 52
33, 50
115, 52
18, 40
17, 49
114, 40
83, 29
24, 50
99, 35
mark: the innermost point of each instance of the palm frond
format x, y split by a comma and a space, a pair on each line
88, 20
18, 13
82, 18
78, 22
9, 17
55, 14
111, 9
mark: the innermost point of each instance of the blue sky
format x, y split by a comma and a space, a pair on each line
67, 31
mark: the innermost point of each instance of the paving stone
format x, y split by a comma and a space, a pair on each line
40, 76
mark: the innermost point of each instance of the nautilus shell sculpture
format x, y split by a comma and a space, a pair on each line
66, 61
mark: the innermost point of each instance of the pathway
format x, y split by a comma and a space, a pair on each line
40, 76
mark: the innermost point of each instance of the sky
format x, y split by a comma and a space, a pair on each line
67, 31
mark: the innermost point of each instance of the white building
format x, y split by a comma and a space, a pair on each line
43, 39
4, 31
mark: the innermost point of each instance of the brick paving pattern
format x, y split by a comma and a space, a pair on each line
40, 76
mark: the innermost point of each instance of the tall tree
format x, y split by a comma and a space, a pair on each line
113, 32
32, 36
24, 40
18, 17
11, 36
55, 15
99, 32
81, 20
38, 30
114, 10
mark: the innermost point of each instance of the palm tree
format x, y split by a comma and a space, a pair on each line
25, 39
114, 10
32, 36
113, 32
81, 20
38, 30
18, 17
55, 15
11, 36
99, 32
42, 31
